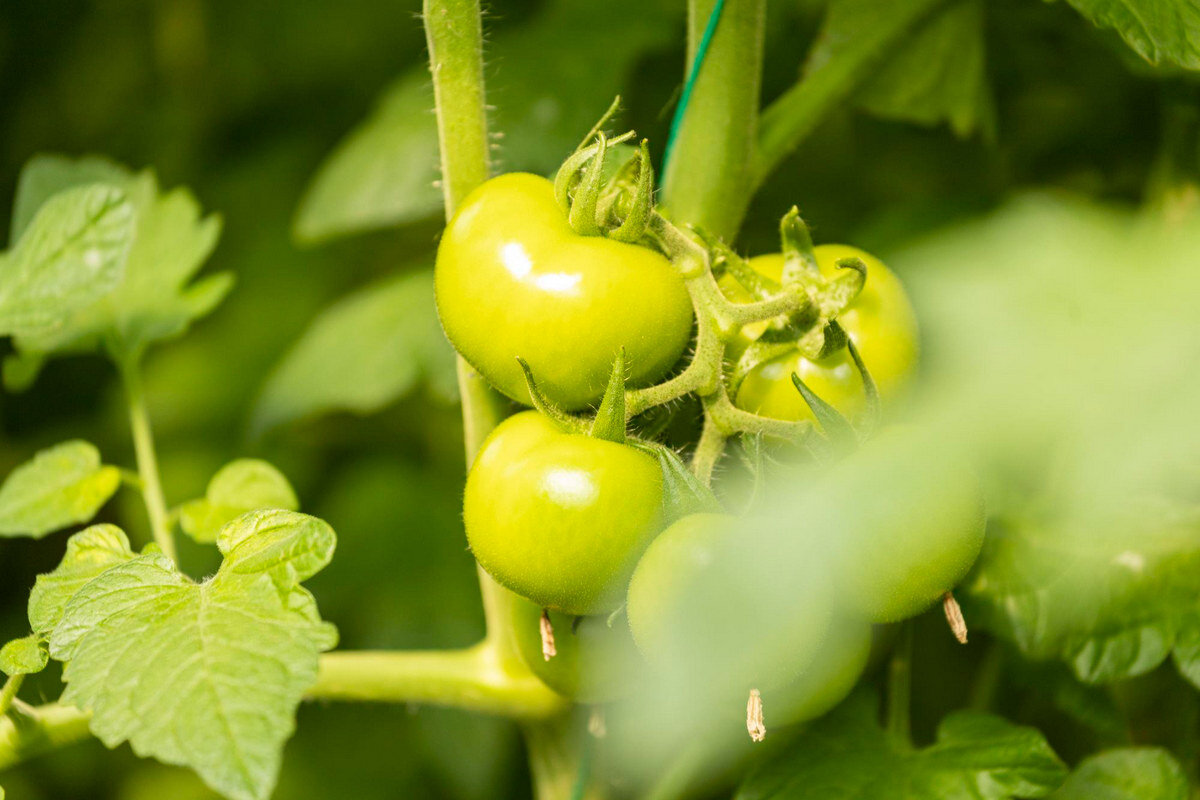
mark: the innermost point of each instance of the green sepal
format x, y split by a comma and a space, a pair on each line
842, 290
609, 423
565, 421
874, 411
837, 428
725, 259
640, 200
582, 213
683, 493
799, 261
754, 457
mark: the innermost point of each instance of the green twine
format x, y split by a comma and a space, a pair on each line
686, 95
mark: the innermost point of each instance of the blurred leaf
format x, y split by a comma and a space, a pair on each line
847, 756
23, 656
154, 300
247, 484
1159, 30
546, 92
203, 675
937, 75
364, 352
89, 553
71, 253
61, 486
46, 175
1126, 774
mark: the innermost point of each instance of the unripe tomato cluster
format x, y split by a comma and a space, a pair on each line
614, 580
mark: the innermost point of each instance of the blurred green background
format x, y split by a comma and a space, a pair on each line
245, 101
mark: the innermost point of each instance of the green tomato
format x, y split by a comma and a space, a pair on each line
881, 323
911, 524
594, 663
561, 518
514, 280
706, 605
832, 675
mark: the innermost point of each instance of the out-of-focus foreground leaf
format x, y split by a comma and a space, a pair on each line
1159, 30
1132, 773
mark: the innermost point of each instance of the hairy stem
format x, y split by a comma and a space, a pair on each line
709, 178
475, 679
9, 691
147, 461
40, 730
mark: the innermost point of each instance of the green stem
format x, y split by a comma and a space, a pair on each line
708, 450
709, 179
899, 685
9, 691
476, 679
147, 461
558, 760
43, 729
787, 121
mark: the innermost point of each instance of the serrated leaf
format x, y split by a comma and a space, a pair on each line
247, 484
44, 176
89, 553
24, 656
72, 253
847, 756
206, 675
1132, 773
385, 171
155, 299
61, 486
1157, 30
939, 74
364, 352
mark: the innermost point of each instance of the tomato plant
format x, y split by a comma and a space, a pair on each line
743, 513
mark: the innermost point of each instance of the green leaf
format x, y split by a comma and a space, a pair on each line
939, 74
1133, 773
24, 656
847, 756
89, 553
156, 298
1158, 30
72, 253
385, 172
45, 176
364, 352
247, 484
61, 486
206, 675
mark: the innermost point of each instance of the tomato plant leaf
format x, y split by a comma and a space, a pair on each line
937, 75
206, 675
385, 171
156, 297
847, 756
247, 484
1131, 773
61, 486
46, 175
24, 656
1157, 30
73, 251
89, 553
364, 352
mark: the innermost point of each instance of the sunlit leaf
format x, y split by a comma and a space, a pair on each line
1158, 30
1133, 773
247, 484
89, 553
23, 656
62, 486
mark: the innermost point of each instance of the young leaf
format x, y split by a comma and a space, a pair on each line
23, 656
937, 75
1158, 30
155, 298
61, 486
203, 675
366, 351
1132, 773
89, 553
847, 755
44, 176
247, 484
72, 253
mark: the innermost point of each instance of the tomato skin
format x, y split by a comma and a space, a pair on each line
918, 532
692, 611
594, 663
880, 321
513, 279
832, 675
560, 518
